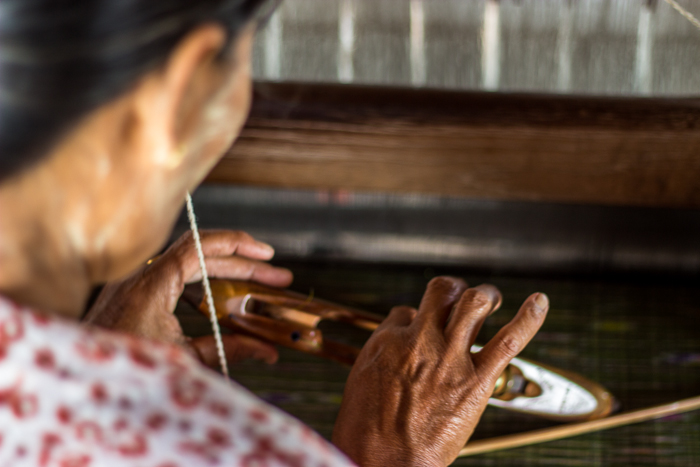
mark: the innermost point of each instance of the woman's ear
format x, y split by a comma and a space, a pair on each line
169, 102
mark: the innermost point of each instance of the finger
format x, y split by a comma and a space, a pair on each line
513, 337
236, 348
230, 242
399, 316
244, 269
215, 243
439, 298
469, 314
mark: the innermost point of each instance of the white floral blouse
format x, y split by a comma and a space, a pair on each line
72, 396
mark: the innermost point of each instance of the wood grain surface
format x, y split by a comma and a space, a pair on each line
610, 151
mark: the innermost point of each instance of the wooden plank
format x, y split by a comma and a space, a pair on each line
612, 151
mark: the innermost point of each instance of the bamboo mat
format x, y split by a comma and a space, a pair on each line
638, 337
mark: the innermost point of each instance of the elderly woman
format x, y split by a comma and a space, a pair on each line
110, 111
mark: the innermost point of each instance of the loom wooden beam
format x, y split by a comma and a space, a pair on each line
612, 151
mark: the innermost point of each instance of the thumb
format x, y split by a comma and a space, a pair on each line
236, 348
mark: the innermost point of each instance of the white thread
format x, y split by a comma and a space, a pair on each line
491, 46
273, 47
418, 69
685, 13
346, 41
644, 70
207, 287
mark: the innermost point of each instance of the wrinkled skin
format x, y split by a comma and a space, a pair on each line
416, 393
143, 303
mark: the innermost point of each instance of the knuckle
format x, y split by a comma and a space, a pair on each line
242, 235
249, 270
236, 238
509, 346
476, 299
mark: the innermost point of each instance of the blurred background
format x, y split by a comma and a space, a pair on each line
615, 47
359, 164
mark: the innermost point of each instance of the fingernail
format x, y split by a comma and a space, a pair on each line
541, 302
265, 246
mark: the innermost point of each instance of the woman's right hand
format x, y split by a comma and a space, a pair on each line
416, 392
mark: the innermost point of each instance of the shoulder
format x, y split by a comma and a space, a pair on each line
91, 397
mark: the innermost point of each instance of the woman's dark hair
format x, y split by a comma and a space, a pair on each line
60, 59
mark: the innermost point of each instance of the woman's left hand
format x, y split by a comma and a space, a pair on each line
143, 304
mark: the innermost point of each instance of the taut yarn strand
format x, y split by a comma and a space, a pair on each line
688, 15
207, 288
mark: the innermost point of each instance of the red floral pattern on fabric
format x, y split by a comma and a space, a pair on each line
95, 350
72, 396
64, 415
44, 359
